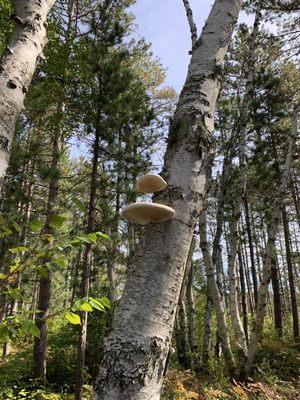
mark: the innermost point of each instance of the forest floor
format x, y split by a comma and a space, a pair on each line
182, 385
179, 385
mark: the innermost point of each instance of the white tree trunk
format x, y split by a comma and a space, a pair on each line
270, 248
234, 237
214, 292
135, 353
17, 67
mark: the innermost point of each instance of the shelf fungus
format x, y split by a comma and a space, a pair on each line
151, 183
142, 213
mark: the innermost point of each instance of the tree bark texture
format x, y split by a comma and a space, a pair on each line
135, 353
192, 311
250, 240
293, 294
270, 247
207, 330
184, 358
17, 66
243, 294
276, 297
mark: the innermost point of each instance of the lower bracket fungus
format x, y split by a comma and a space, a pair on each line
143, 213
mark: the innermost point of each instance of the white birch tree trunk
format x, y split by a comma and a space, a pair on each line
234, 237
17, 66
270, 248
135, 353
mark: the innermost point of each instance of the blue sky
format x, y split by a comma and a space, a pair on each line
164, 24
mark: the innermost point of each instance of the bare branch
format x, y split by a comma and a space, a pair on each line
193, 27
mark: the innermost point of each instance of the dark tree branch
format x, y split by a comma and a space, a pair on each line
193, 27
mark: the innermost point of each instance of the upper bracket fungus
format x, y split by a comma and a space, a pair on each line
143, 213
151, 183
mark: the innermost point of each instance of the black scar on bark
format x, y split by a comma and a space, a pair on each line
4, 142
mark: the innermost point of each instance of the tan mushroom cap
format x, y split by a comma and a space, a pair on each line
151, 183
143, 213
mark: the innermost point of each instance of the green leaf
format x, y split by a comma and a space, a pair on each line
77, 304
43, 272
105, 301
79, 204
19, 249
103, 235
73, 318
5, 232
60, 261
96, 304
92, 237
29, 327
17, 226
2, 276
86, 307
57, 221
14, 294
35, 224
83, 239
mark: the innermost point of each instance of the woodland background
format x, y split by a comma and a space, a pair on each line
96, 118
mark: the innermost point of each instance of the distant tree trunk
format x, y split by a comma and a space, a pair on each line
17, 66
296, 201
35, 296
44, 294
243, 294
290, 274
223, 331
207, 330
192, 312
247, 275
276, 297
135, 353
269, 254
184, 357
75, 273
241, 129
87, 262
249, 234
217, 251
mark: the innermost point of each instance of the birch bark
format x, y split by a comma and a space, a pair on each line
223, 332
135, 353
269, 254
17, 66
233, 237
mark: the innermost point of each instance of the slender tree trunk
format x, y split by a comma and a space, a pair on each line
276, 297
207, 330
272, 232
40, 344
247, 275
135, 353
290, 274
243, 294
184, 357
87, 264
192, 312
249, 234
35, 296
296, 201
17, 66
223, 331
233, 237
